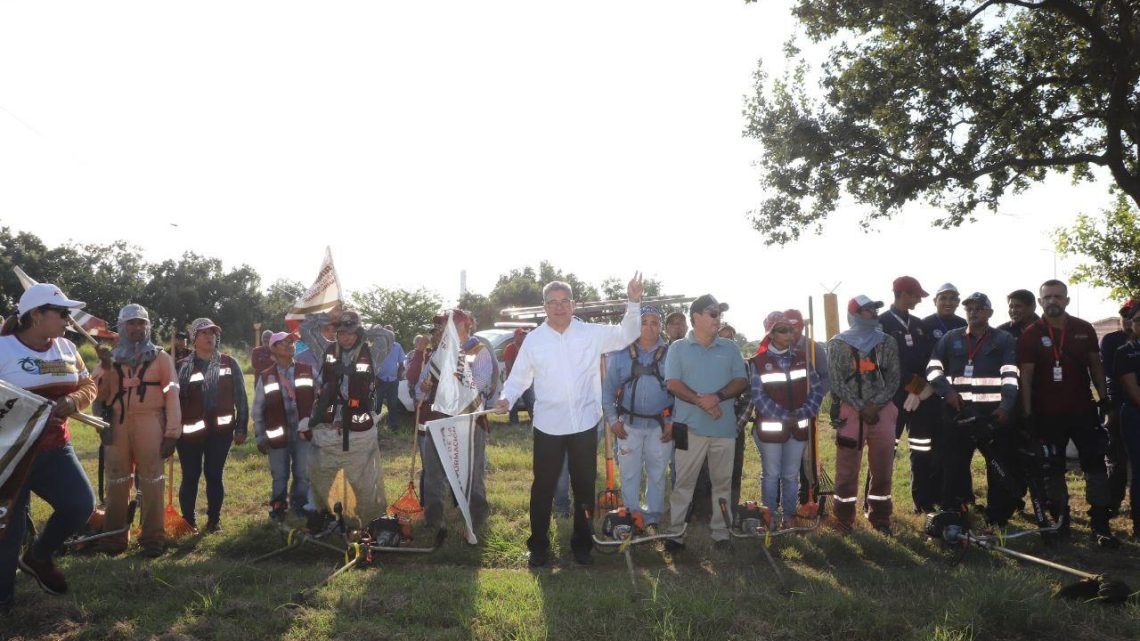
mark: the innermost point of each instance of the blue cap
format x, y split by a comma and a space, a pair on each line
650, 309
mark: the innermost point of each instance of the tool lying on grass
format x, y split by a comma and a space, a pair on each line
360, 547
750, 523
950, 527
622, 529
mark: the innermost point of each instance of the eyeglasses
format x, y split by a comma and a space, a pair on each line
559, 302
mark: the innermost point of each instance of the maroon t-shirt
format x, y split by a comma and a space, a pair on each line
1074, 347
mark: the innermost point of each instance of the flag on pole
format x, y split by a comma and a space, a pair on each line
322, 295
94, 325
23, 416
456, 390
454, 438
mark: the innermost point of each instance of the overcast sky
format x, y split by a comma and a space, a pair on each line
418, 139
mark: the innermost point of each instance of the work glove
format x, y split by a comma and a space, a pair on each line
1102, 409
912, 402
167, 447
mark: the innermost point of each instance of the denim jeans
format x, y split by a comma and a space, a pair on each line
526, 402
58, 478
642, 447
389, 392
208, 456
780, 474
293, 458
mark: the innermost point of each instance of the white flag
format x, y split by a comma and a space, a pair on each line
454, 438
322, 295
23, 416
456, 390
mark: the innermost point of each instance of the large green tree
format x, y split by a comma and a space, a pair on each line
407, 311
178, 291
955, 103
1110, 246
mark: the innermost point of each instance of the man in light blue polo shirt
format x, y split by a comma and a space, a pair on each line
704, 373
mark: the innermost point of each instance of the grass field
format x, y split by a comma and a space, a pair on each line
864, 586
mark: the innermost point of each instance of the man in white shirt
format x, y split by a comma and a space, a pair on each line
562, 359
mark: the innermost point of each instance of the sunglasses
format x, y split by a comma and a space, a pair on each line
64, 312
783, 329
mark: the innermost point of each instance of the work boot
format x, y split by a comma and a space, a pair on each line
44, 572
1101, 532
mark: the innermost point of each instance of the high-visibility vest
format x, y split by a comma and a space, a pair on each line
789, 390
273, 409
195, 424
360, 379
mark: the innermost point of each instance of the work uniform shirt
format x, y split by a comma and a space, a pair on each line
1072, 348
937, 326
913, 342
981, 370
1108, 348
565, 369
705, 370
1127, 360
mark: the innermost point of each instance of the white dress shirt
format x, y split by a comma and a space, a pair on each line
565, 369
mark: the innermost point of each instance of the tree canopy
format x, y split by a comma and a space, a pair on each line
954, 103
1111, 246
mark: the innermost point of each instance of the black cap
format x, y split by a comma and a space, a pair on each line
705, 303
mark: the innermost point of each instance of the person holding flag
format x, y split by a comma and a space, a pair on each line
344, 434
458, 380
34, 356
562, 358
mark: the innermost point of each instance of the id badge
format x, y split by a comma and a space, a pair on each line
968, 371
1057, 374
909, 340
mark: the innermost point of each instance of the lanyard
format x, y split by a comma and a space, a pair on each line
904, 323
1057, 350
970, 354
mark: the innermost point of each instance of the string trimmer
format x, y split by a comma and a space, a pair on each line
609, 499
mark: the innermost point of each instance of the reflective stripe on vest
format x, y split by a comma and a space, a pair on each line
771, 426
225, 420
194, 427
272, 387
275, 433
303, 382
197, 377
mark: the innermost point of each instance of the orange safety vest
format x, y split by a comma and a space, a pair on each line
273, 409
195, 424
789, 390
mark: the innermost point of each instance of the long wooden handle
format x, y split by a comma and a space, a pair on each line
87, 419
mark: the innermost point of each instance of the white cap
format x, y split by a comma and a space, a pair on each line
132, 312
946, 287
45, 294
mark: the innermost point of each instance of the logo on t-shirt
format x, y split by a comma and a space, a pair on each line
1046, 341
937, 333
47, 368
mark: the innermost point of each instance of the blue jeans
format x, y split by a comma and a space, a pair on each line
780, 474
643, 447
194, 458
293, 457
58, 478
389, 392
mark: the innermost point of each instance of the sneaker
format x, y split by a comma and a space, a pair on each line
537, 559
673, 546
44, 572
213, 527
583, 557
884, 529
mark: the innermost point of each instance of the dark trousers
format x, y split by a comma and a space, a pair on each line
58, 478
194, 458
580, 450
1130, 435
1116, 459
525, 402
1091, 440
998, 446
389, 392
924, 429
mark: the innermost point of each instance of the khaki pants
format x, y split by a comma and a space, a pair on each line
720, 453
135, 448
360, 490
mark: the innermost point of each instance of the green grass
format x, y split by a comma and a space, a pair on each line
852, 588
